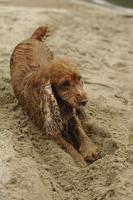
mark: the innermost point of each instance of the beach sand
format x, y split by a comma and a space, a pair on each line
100, 42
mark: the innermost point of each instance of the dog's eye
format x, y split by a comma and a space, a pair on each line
66, 83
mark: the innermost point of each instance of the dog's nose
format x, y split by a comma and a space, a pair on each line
83, 102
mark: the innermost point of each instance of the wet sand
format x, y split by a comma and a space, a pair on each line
100, 42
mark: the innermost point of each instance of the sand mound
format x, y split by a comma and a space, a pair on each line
100, 42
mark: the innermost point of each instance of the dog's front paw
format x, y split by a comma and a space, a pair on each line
89, 150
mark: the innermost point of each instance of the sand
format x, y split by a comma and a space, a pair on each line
100, 42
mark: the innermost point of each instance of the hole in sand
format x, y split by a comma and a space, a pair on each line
99, 136
104, 139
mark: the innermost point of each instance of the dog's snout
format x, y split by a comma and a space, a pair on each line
81, 99
83, 102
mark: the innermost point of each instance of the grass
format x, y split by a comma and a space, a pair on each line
124, 3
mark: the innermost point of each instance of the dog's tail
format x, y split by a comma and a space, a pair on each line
42, 31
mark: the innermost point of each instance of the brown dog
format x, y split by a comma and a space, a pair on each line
51, 92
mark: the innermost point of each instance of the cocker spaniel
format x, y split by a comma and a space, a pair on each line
51, 92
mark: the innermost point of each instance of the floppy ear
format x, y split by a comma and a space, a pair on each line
52, 121
41, 103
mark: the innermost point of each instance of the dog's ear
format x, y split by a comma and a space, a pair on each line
52, 123
48, 105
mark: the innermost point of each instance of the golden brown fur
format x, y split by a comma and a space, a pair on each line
51, 92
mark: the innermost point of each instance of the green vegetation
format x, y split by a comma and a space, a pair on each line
125, 3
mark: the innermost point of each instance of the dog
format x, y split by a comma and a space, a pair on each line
51, 92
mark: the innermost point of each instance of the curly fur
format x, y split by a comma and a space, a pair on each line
50, 91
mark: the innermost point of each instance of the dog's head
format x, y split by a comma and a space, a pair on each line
67, 83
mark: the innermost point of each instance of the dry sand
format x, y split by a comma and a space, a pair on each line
100, 41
